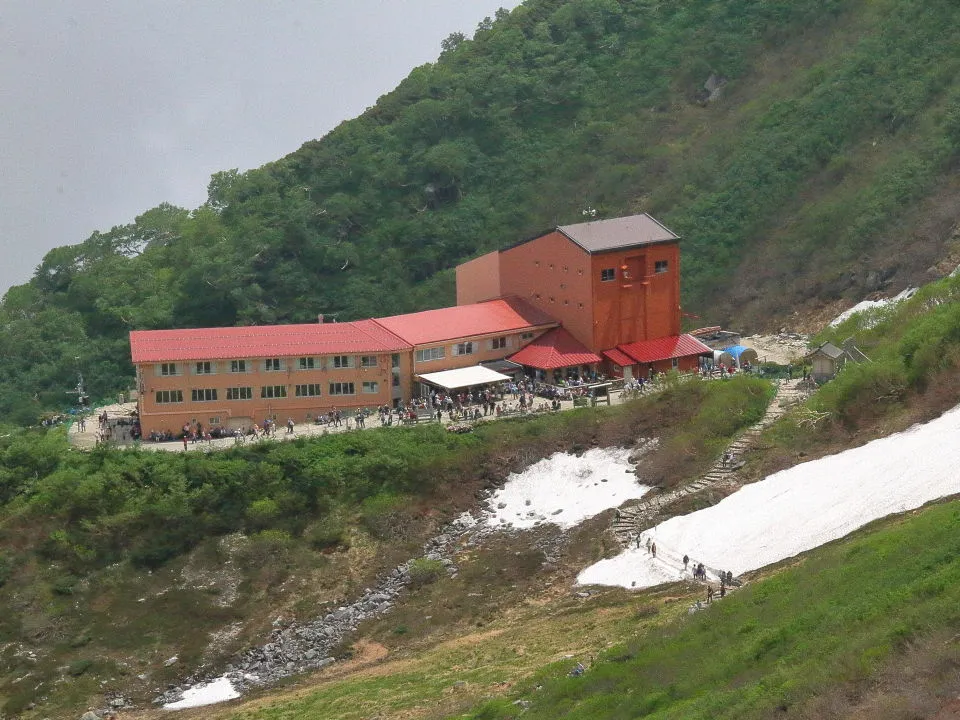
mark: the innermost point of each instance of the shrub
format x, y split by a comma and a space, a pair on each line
425, 571
384, 517
78, 667
330, 531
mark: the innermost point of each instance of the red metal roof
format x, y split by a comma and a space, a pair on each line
664, 348
485, 318
554, 349
257, 341
618, 358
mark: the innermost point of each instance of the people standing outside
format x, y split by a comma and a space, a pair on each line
653, 550
289, 426
686, 559
648, 545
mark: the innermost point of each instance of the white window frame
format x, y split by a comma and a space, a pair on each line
608, 274
168, 369
238, 393
431, 354
464, 348
204, 367
341, 388
174, 397
661, 266
368, 361
238, 366
370, 387
273, 392
499, 343
304, 390
308, 363
343, 362
208, 394
273, 365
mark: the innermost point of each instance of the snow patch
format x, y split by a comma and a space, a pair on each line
871, 304
798, 509
215, 691
565, 490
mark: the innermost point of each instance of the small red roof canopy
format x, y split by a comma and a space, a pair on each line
485, 318
618, 358
256, 341
554, 349
665, 348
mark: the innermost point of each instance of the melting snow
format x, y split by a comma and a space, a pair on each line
565, 490
215, 691
871, 304
800, 508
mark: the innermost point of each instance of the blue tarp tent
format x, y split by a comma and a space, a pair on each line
740, 354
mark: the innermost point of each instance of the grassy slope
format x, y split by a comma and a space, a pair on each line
809, 638
74, 589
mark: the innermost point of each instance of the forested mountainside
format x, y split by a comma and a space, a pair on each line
820, 166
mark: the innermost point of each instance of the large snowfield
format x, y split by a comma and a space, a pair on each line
565, 490
799, 508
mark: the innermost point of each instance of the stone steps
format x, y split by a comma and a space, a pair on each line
626, 526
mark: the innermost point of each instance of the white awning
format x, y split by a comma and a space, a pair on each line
463, 377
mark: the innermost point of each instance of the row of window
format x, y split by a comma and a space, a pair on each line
267, 392
610, 274
467, 348
207, 367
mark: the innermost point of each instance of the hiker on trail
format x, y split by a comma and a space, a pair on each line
723, 588
184, 442
638, 541
648, 545
289, 426
686, 559
709, 593
653, 549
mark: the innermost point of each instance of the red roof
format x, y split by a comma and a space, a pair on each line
618, 358
257, 341
485, 318
554, 349
664, 348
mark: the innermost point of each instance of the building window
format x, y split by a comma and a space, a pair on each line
368, 361
580, 306
214, 420
498, 343
204, 368
396, 381
395, 361
309, 390
608, 274
371, 387
661, 266
526, 336
272, 365
203, 395
273, 391
168, 369
675, 363
240, 393
238, 366
342, 388
343, 361
428, 354
465, 348
169, 396
308, 363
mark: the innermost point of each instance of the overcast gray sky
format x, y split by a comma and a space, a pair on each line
108, 108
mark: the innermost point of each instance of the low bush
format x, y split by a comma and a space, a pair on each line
425, 571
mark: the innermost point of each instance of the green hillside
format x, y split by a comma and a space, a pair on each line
823, 169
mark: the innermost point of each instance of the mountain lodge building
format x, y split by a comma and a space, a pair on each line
602, 295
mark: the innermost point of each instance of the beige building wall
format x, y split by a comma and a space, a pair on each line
479, 279
326, 375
